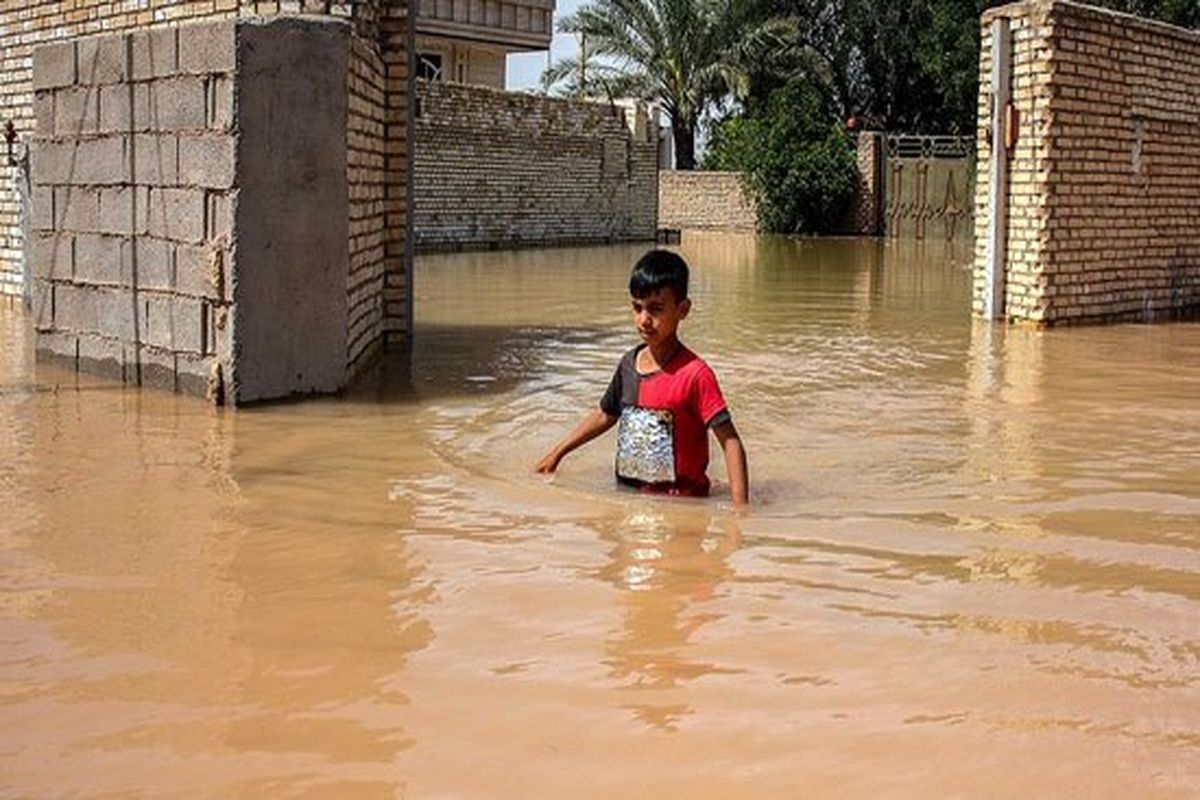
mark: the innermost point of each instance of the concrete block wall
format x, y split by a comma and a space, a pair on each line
1104, 200
210, 205
25, 24
133, 196
704, 200
498, 169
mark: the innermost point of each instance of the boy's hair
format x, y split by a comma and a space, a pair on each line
659, 269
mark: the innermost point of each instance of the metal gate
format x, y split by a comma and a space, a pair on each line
929, 186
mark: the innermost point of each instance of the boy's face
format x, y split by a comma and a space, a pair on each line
657, 315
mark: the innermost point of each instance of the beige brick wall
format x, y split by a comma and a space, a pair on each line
366, 141
704, 200
397, 38
500, 169
1104, 200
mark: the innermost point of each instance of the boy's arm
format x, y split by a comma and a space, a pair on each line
591, 426
735, 462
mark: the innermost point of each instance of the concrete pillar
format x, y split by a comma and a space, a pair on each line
997, 230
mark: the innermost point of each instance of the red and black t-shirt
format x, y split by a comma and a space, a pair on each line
662, 434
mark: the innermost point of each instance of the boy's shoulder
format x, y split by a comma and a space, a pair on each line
692, 361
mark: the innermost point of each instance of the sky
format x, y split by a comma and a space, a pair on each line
525, 69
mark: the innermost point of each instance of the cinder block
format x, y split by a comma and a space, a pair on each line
103, 59
153, 54
220, 104
43, 113
219, 215
156, 368
206, 48
59, 347
87, 162
76, 308
174, 323
201, 270
177, 214
103, 356
53, 65
153, 263
41, 208
102, 162
101, 260
191, 270
155, 160
117, 315
176, 104
53, 257
124, 211
76, 209
192, 373
206, 161
116, 107
51, 162
43, 305
76, 111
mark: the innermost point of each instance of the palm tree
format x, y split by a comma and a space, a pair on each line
684, 54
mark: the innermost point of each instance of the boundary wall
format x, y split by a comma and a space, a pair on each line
1103, 199
211, 206
495, 169
704, 200
378, 142
716, 200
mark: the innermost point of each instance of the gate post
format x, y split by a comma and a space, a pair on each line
997, 230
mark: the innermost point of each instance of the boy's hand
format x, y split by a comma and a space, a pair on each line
547, 464
591, 426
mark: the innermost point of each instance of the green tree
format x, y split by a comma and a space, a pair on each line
684, 54
796, 160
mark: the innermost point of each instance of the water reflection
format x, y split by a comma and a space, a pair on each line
186, 598
669, 565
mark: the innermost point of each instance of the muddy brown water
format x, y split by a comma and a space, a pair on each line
972, 568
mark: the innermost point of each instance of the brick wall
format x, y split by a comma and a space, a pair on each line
210, 205
499, 169
711, 200
1104, 198
701, 200
365, 152
26, 23
397, 38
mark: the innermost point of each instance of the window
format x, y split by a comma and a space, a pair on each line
429, 66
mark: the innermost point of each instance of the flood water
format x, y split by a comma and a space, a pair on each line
971, 569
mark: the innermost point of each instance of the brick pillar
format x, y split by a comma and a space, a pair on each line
868, 203
396, 36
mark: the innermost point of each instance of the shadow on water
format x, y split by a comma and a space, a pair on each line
446, 361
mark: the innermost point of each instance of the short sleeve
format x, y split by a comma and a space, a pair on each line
709, 398
610, 403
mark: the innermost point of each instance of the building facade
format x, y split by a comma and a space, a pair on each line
458, 41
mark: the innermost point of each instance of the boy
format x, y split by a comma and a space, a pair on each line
663, 396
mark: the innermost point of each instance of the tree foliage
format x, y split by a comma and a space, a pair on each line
684, 54
799, 165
